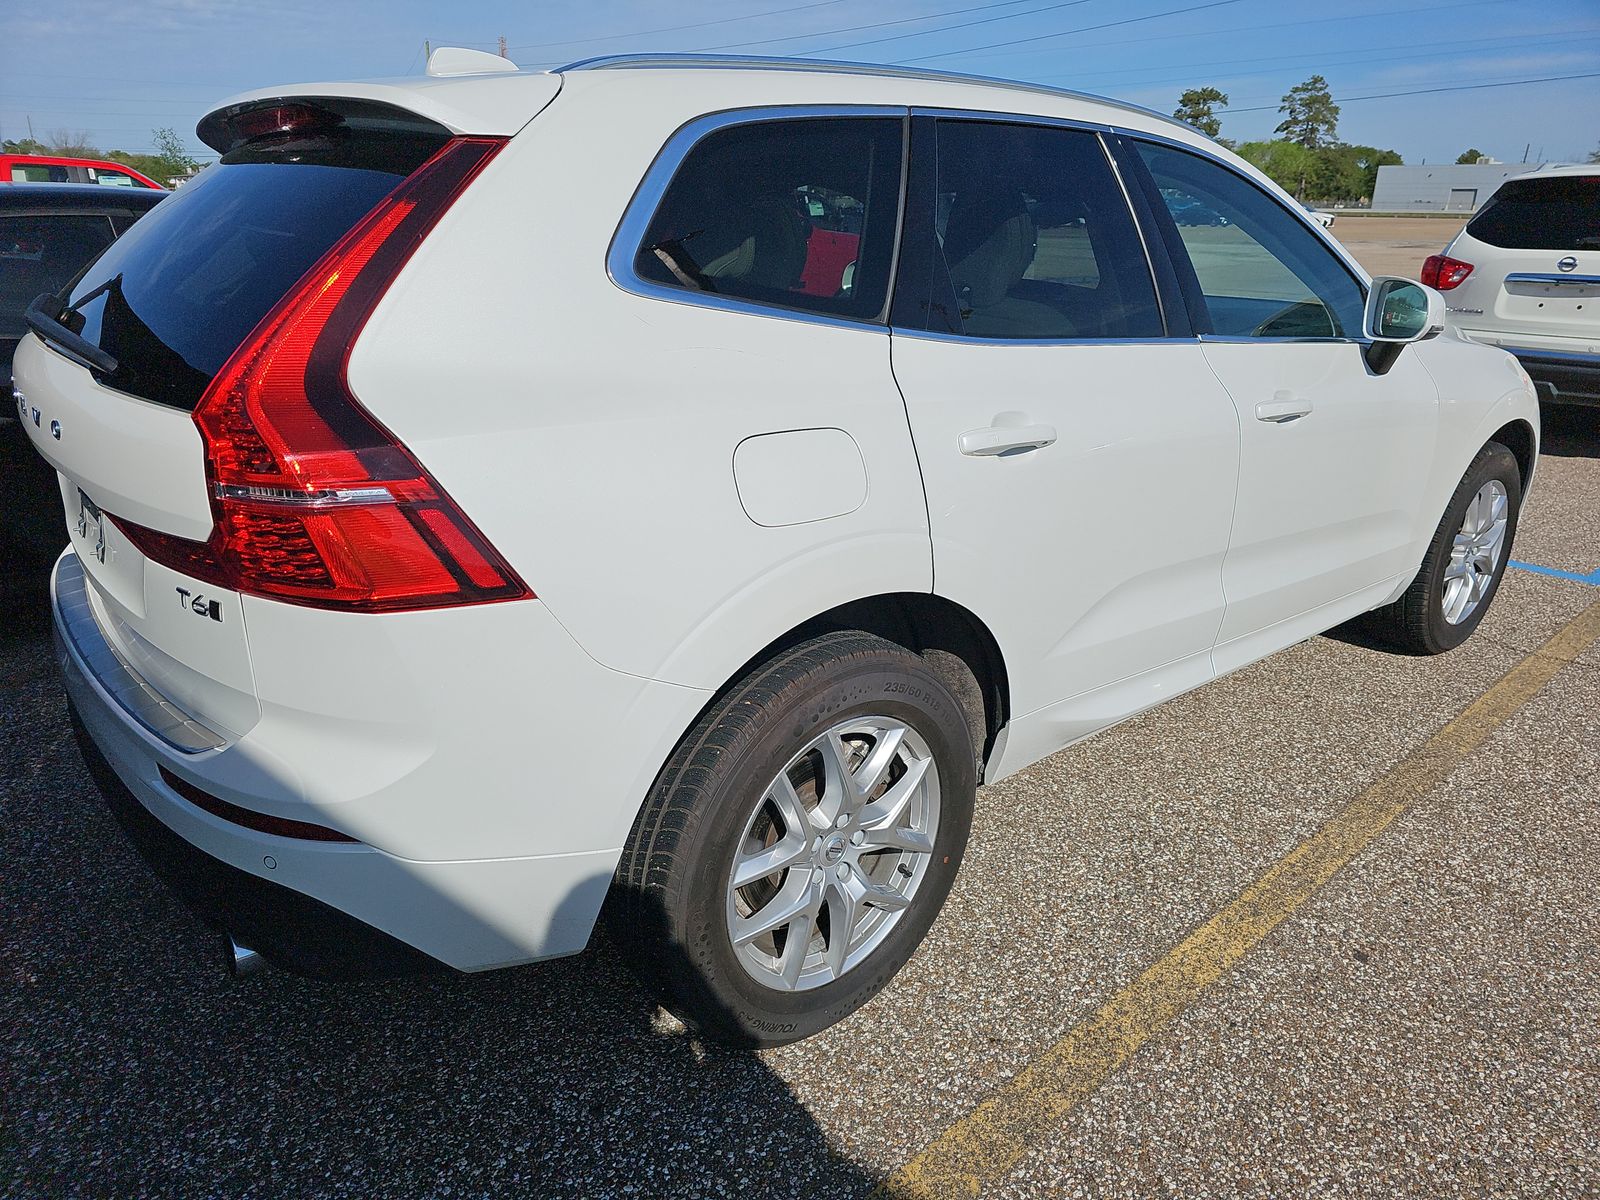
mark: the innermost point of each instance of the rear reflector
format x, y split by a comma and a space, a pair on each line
315, 502
1443, 273
260, 822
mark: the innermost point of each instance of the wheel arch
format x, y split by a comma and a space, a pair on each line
1518, 437
950, 637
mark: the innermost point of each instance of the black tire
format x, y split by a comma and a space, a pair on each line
668, 908
1415, 623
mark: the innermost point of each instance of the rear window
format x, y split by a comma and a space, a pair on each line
1560, 213
42, 253
177, 295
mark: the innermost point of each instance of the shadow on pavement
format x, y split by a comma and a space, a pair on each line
138, 1067
1569, 430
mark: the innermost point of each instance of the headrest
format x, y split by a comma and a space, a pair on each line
989, 243
759, 242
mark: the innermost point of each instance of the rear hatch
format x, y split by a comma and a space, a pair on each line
189, 392
1535, 251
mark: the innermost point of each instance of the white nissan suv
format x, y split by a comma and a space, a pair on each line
1525, 275
677, 484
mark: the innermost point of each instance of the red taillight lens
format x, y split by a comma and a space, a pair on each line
315, 502
1443, 273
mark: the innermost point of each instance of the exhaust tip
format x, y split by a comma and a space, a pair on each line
244, 961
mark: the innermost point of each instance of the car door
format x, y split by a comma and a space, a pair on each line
1078, 456
1334, 456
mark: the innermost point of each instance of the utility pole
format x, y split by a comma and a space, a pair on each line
30, 127
503, 46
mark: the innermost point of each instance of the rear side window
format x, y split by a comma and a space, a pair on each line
42, 253
177, 295
796, 214
1560, 213
1034, 239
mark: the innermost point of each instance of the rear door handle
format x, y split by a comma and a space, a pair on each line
1280, 412
1006, 439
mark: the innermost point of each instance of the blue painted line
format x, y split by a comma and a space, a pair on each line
1592, 578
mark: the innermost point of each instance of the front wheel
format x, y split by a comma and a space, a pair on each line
800, 841
1465, 561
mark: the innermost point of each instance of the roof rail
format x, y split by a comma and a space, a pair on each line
617, 62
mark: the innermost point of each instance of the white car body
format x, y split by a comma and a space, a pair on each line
1537, 299
633, 456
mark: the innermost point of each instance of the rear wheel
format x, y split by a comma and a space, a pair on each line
1465, 561
800, 841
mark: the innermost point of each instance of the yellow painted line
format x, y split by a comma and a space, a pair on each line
979, 1150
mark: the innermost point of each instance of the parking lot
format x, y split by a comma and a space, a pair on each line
1327, 927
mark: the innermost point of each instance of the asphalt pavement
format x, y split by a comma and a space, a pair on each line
1425, 1020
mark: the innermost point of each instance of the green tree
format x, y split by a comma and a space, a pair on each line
1198, 107
1469, 156
1311, 117
1288, 164
23, 146
174, 160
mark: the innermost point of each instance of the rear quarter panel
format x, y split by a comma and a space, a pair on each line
592, 433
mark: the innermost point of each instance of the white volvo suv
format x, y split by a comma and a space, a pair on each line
677, 484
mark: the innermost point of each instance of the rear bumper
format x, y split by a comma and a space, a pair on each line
1562, 378
288, 928
324, 908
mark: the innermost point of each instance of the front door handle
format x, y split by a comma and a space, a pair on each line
1280, 412
1006, 439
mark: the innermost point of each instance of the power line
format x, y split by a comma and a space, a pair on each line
1107, 78
1041, 37
1530, 41
1231, 29
1461, 87
613, 37
955, 12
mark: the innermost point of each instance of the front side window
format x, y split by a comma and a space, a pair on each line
1033, 238
1261, 271
795, 214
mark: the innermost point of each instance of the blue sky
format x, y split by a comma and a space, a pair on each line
119, 69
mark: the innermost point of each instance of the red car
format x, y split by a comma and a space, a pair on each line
40, 168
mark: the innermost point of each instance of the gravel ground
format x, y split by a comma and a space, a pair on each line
1394, 245
1426, 1025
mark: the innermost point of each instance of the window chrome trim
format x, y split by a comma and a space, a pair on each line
967, 339
1294, 209
1243, 340
641, 210
1558, 280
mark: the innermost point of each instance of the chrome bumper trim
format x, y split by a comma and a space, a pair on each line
78, 634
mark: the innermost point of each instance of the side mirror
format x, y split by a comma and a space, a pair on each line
1399, 312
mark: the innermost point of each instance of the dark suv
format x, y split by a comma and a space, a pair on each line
48, 233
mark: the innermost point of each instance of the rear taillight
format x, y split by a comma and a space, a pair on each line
315, 501
1443, 272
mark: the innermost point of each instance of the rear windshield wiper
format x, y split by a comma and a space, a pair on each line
44, 318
